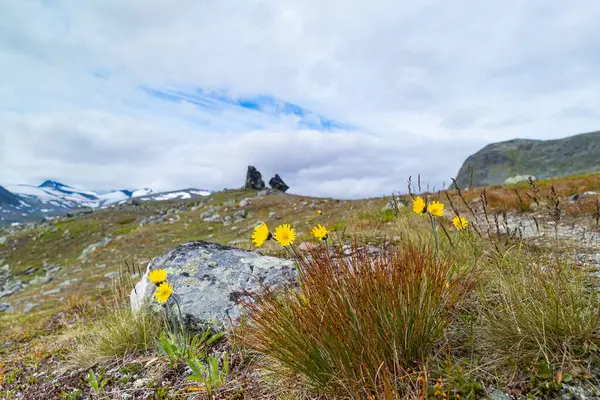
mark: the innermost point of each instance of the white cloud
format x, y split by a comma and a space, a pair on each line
425, 84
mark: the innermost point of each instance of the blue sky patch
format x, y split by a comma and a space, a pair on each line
265, 105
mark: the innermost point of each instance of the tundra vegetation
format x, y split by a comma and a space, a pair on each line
430, 295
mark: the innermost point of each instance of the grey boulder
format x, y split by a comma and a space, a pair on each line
209, 281
5, 307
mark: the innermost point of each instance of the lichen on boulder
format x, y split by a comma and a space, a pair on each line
210, 280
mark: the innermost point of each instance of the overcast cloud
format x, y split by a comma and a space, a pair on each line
342, 98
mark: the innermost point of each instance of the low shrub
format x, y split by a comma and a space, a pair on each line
354, 327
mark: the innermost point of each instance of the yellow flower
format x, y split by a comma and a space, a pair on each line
320, 232
261, 234
460, 222
285, 235
419, 205
436, 209
157, 276
163, 292
319, 212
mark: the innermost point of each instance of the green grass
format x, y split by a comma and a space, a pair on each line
358, 334
121, 333
538, 311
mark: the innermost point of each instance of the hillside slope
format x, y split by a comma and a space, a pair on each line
497, 162
59, 278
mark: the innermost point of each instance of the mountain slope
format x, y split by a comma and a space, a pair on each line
21, 203
497, 162
7, 198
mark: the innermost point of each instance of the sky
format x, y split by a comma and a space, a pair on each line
341, 98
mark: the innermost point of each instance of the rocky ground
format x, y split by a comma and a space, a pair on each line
55, 277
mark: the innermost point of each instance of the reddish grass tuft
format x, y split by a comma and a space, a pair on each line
357, 324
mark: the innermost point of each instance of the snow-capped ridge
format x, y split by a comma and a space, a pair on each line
26, 202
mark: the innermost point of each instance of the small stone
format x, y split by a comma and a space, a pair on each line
5, 307
29, 306
111, 274
53, 291
306, 246
245, 202
91, 248
68, 282
265, 192
391, 206
498, 394
50, 268
142, 382
14, 288
241, 214
42, 280
207, 214
30, 270
214, 218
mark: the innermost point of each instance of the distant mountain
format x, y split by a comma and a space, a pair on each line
8, 198
510, 161
19, 203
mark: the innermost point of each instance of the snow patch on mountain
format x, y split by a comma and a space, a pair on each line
25, 202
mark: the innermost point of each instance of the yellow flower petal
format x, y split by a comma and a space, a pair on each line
157, 276
436, 209
319, 232
261, 234
460, 222
285, 235
419, 205
163, 292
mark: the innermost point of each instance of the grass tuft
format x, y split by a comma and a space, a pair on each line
120, 334
535, 312
357, 327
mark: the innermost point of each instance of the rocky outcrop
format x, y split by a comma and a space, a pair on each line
278, 184
209, 280
254, 179
498, 162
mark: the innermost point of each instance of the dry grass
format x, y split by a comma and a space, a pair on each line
355, 328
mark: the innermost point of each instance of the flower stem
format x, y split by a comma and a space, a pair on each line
182, 325
435, 235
